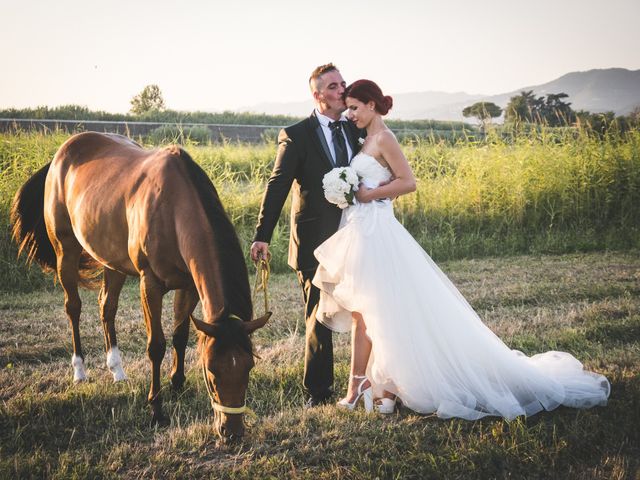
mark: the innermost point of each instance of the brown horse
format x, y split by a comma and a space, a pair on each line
106, 203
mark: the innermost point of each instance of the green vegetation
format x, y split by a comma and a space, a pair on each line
586, 304
198, 134
148, 100
155, 114
552, 110
483, 111
78, 112
525, 111
543, 191
546, 191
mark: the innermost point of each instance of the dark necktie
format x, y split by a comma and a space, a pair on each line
339, 145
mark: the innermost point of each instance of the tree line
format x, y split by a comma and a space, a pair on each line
552, 111
149, 106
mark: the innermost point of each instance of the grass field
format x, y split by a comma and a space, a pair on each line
585, 304
541, 233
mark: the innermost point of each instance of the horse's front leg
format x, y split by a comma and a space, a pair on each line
111, 286
151, 293
184, 303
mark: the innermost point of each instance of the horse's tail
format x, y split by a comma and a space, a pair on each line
30, 231
27, 218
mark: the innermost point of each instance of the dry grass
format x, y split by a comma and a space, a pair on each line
586, 304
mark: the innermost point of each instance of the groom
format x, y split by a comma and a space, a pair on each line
306, 151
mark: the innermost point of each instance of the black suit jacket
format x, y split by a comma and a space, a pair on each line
302, 160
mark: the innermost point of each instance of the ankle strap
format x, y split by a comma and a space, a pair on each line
358, 377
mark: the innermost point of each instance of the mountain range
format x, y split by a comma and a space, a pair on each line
598, 90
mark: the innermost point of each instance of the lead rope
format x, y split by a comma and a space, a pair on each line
263, 271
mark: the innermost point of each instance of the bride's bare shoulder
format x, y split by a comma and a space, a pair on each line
386, 137
387, 142
382, 138
380, 145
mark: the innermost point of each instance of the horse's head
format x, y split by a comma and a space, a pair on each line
227, 359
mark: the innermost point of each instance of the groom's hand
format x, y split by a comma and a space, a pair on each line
363, 194
259, 250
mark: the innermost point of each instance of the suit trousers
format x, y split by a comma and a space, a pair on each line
318, 355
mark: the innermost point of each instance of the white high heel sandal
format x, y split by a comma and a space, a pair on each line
366, 394
386, 405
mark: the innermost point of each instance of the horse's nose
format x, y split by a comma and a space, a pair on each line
229, 427
228, 436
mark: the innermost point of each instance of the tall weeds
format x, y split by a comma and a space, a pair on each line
538, 193
544, 191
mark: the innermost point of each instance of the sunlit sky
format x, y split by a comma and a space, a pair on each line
213, 55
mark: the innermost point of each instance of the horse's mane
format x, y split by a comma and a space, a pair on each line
236, 290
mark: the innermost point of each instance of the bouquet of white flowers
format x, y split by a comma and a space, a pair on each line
340, 186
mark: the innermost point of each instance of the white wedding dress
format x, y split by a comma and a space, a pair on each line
428, 345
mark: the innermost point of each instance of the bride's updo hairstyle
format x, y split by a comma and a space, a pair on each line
367, 91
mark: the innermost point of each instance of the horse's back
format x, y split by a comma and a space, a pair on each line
92, 172
88, 147
111, 193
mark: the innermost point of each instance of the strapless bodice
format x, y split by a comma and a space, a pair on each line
371, 172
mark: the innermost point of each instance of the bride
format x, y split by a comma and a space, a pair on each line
414, 336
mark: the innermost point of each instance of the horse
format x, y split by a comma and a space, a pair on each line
106, 204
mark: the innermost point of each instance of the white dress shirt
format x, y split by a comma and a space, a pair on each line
324, 122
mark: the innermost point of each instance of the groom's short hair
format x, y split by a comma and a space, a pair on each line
314, 79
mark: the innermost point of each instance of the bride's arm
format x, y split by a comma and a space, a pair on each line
403, 181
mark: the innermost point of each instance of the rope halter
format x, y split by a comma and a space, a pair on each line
218, 407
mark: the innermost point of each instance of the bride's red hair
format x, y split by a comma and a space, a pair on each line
367, 91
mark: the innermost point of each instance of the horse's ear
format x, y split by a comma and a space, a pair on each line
206, 328
254, 325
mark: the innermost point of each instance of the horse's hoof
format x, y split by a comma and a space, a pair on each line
79, 372
119, 377
230, 441
177, 384
114, 363
157, 416
159, 420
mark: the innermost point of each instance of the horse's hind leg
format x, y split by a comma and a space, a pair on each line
184, 303
111, 286
68, 262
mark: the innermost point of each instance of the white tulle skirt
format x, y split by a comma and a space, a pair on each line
428, 345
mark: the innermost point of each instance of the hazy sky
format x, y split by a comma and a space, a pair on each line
215, 55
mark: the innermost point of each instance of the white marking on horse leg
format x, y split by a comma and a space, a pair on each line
79, 373
114, 362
